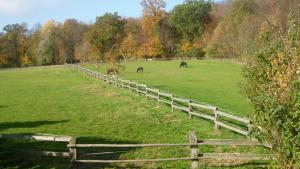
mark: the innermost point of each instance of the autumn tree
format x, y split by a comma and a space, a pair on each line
106, 36
153, 15
3, 52
132, 41
235, 35
14, 44
71, 35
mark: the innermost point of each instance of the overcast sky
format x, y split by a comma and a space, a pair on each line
39, 11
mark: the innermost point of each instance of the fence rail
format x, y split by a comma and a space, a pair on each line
229, 121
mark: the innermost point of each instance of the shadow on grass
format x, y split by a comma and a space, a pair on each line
1, 106
27, 124
13, 153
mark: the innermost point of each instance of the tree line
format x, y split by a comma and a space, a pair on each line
195, 28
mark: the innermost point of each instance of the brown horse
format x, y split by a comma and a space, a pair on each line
112, 71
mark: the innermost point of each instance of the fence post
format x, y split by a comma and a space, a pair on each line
73, 153
190, 109
129, 84
249, 130
137, 88
194, 149
146, 90
172, 102
158, 97
217, 117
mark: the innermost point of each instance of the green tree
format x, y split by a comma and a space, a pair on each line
189, 18
106, 36
48, 48
273, 88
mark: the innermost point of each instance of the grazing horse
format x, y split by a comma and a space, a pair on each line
112, 71
183, 64
140, 70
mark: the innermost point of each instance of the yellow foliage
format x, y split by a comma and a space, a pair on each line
281, 73
3, 59
25, 59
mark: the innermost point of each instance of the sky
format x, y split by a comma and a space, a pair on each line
40, 11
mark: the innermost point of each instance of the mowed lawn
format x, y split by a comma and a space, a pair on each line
58, 100
214, 82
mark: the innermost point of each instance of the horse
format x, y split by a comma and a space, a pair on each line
112, 71
183, 64
140, 70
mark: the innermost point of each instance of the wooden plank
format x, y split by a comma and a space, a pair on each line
181, 108
37, 137
46, 153
198, 114
154, 97
152, 90
244, 120
232, 128
165, 94
142, 85
238, 156
128, 145
203, 106
181, 100
132, 161
230, 142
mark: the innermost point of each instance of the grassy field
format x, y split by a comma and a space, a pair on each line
214, 82
58, 100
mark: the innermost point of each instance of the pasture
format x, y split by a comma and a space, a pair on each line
213, 82
58, 100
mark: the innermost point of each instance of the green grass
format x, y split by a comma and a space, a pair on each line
58, 100
213, 82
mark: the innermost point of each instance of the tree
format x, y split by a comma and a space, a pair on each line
71, 34
153, 7
48, 48
132, 40
106, 36
189, 20
14, 44
235, 35
273, 88
3, 52
153, 16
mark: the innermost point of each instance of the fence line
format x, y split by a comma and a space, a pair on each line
195, 154
193, 144
229, 121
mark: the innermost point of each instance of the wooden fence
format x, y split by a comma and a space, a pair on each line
193, 144
195, 154
42, 137
232, 122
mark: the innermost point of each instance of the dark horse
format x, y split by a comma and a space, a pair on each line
183, 64
140, 70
